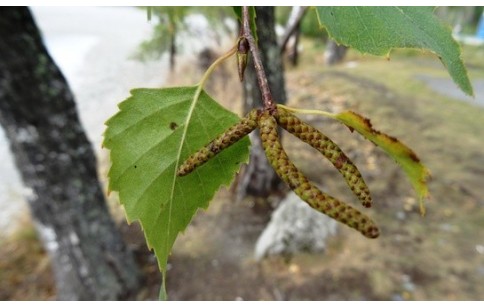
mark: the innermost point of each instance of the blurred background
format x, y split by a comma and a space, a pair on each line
105, 51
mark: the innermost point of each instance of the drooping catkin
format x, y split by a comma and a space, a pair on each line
233, 134
330, 150
305, 189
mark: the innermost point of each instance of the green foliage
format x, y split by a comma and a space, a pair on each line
282, 14
310, 25
171, 20
377, 30
152, 134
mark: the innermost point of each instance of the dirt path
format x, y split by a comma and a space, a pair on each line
447, 87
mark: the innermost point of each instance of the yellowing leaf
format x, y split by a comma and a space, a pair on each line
403, 155
417, 173
152, 134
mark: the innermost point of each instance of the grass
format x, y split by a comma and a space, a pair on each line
25, 272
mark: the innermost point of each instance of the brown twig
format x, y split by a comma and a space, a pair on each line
259, 68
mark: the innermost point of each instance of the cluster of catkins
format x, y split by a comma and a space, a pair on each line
268, 121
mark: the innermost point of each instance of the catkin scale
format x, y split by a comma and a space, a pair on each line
305, 189
329, 149
233, 134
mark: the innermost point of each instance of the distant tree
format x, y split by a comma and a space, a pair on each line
334, 52
169, 22
37, 110
293, 30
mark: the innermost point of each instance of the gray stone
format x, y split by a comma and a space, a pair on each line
294, 227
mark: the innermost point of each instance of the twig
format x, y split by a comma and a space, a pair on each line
259, 69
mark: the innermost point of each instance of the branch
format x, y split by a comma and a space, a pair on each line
259, 68
291, 27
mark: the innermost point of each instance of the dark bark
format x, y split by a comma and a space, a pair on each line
172, 50
259, 179
37, 110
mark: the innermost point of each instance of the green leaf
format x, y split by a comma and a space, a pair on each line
238, 12
376, 30
152, 134
403, 155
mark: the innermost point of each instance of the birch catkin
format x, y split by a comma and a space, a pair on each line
233, 134
305, 189
330, 150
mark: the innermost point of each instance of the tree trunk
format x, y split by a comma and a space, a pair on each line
294, 53
37, 110
172, 50
293, 29
259, 179
334, 53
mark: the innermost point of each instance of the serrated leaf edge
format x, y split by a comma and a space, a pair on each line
466, 87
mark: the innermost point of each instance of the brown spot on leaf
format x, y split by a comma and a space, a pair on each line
392, 138
365, 121
173, 125
414, 156
350, 128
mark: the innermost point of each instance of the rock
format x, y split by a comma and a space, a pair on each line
294, 227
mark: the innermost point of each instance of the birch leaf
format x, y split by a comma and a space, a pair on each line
152, 134
376, 30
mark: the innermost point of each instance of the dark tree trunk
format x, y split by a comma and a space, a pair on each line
259, 179
56, 161
172, 50
334, 53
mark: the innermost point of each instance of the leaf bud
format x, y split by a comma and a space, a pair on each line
242, 56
